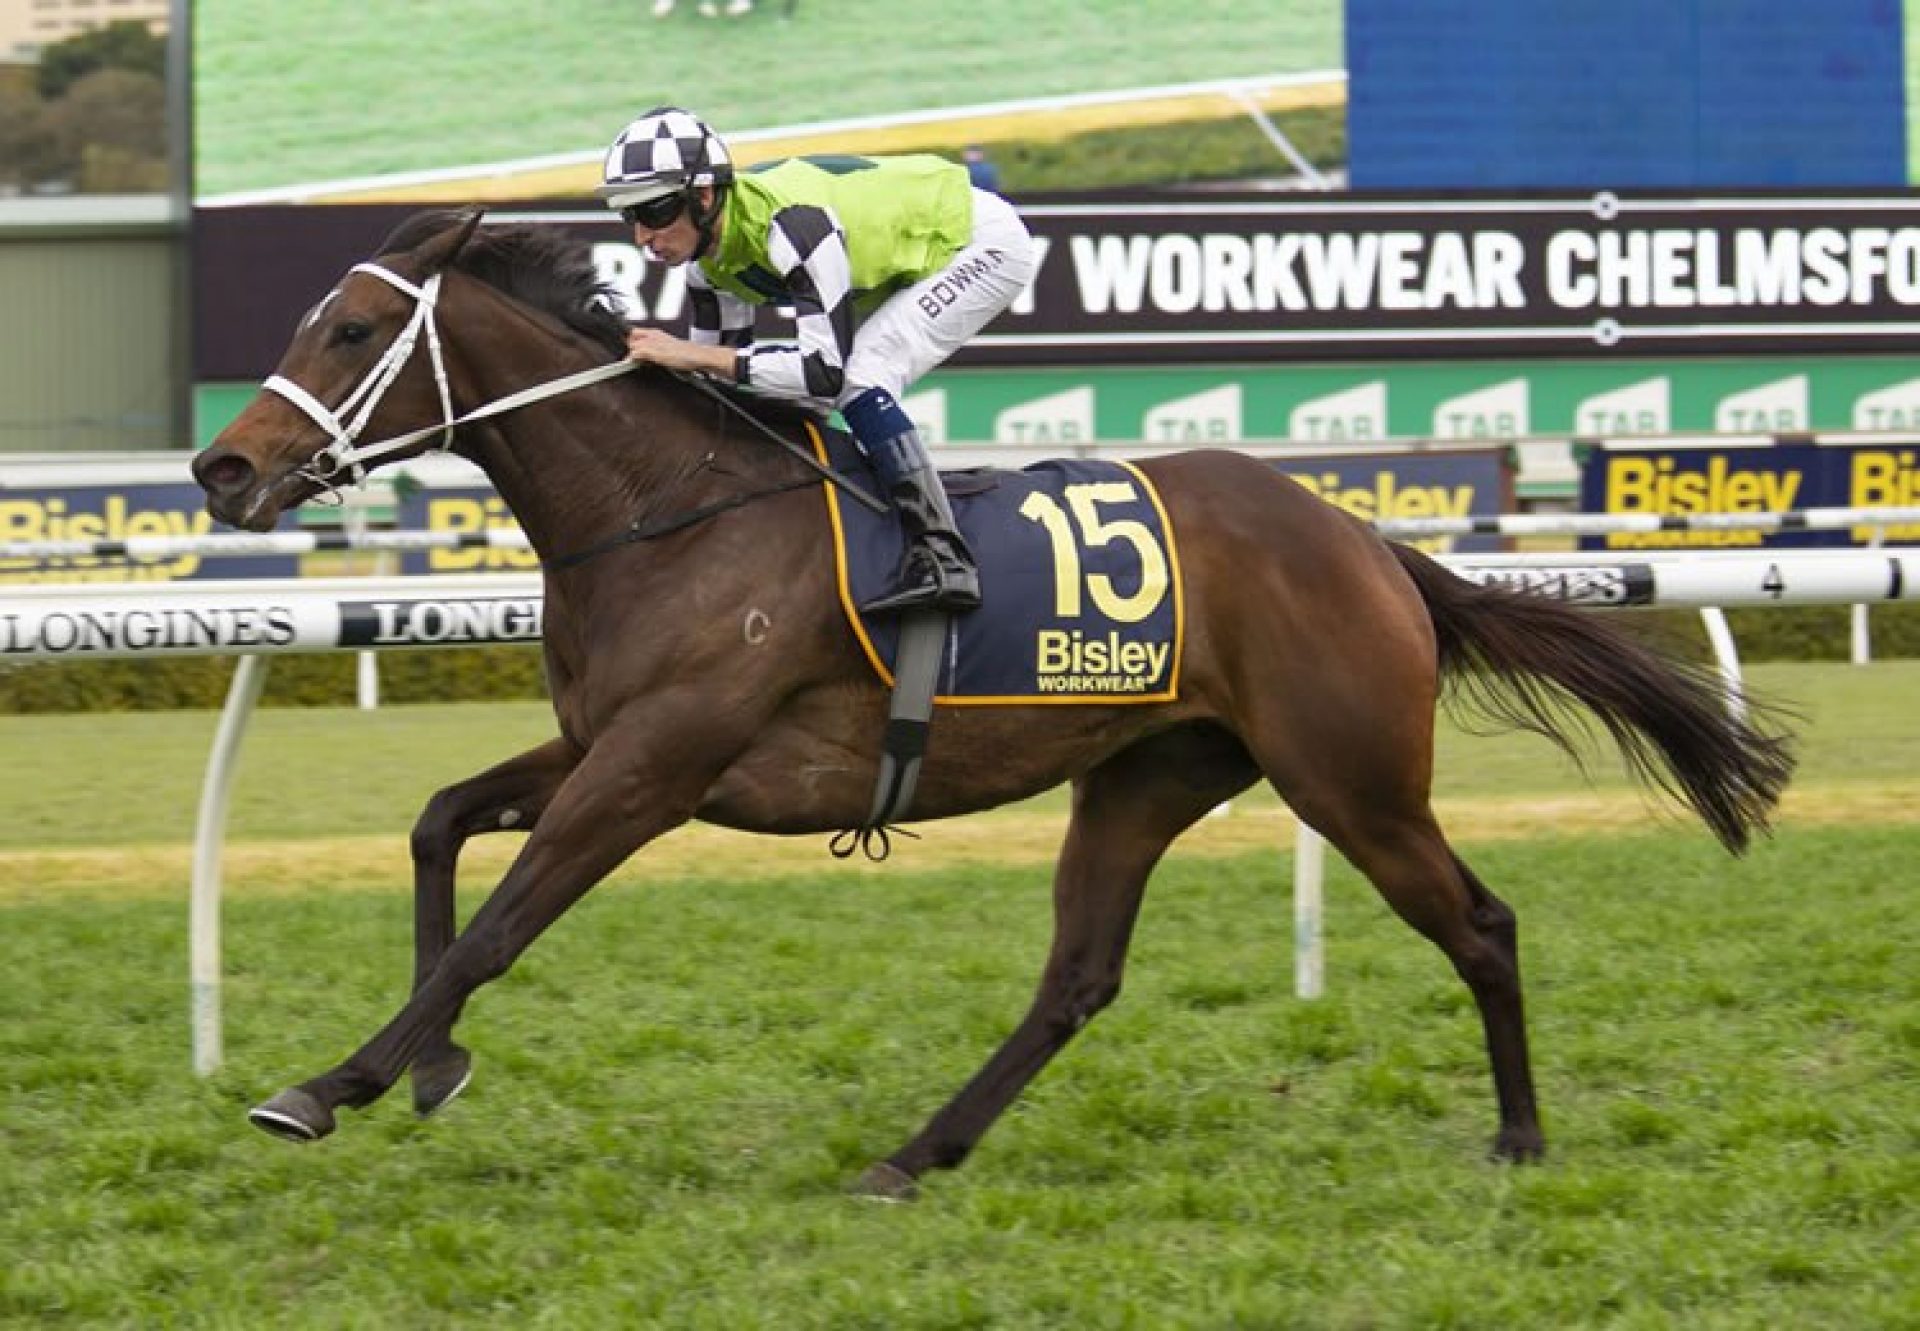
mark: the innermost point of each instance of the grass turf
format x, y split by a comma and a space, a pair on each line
674, 1084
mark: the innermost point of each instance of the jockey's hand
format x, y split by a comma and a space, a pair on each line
651, 346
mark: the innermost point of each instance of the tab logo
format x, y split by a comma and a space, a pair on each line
1212, 417
1499, 411
928, 411
1780, 405
1642, 408
1353, 415
1895, 407
1058, 418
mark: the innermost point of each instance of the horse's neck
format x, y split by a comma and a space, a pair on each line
587, 464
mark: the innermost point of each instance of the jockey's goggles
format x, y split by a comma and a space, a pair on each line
655, 213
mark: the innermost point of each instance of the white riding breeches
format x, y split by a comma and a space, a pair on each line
918, 327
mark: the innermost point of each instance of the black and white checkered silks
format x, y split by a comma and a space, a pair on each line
663, 151
808, 250
831, 361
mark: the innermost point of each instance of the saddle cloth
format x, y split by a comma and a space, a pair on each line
1078, 571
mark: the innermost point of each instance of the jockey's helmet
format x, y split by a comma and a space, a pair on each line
665, 151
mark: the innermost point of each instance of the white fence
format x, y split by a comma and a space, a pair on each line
257, 618
252, 619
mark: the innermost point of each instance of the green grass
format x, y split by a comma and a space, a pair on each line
336, 88
1856, 724
674, 1085
323, 772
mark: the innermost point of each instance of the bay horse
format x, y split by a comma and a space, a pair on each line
706, 673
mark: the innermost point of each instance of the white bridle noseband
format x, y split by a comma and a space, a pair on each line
345, 453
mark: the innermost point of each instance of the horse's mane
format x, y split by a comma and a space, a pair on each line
539, 266
552, 271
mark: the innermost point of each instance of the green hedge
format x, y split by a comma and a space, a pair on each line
457, 674
491, 674
1807, 633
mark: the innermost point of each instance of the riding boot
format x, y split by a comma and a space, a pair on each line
936, 570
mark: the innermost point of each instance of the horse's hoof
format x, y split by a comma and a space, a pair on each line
436, 1084
1519, 1148
294, 1115
885, 1182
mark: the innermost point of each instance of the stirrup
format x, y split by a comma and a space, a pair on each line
923, 596
932, 591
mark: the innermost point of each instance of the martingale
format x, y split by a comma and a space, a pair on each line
1082, 583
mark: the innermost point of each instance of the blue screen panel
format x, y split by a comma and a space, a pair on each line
1625, 93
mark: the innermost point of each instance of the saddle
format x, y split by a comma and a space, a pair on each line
1079, 568
1081, 579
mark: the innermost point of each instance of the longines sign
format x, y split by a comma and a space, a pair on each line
1175, 277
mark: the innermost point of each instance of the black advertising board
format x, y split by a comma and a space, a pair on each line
1178, 277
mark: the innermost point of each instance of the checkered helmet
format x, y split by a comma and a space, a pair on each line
664, 151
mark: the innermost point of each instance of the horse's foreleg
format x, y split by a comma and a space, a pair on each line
623, 793
1125, 812
508, 797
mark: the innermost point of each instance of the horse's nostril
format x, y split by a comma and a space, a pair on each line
225, 471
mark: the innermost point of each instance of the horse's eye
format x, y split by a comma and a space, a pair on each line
353, 333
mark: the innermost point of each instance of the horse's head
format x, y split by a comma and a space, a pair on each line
365, 360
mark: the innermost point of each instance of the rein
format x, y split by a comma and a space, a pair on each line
814, 464
346, 454
650, 531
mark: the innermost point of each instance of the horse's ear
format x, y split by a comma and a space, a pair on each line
440, 249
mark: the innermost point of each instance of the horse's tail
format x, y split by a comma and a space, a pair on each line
1670, 718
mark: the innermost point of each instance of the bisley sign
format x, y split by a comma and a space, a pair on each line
1680, 481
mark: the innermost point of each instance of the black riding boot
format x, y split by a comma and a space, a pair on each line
936, 569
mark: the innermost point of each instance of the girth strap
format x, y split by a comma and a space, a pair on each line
924, 635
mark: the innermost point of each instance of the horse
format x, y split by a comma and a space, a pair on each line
699, 669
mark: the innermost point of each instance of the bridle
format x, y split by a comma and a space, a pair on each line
345, 454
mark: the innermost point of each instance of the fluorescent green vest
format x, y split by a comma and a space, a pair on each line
904, 219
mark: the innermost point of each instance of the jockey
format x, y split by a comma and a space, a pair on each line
889, 265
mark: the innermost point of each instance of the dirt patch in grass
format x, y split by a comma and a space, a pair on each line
1017, 837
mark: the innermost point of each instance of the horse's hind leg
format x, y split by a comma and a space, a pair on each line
1502, 1013
1394, 840
1125, 812
509, 796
